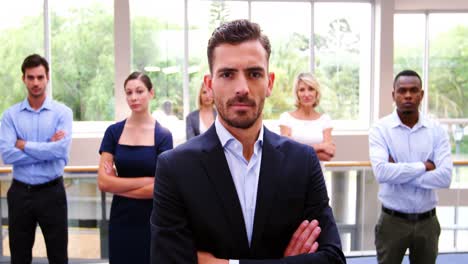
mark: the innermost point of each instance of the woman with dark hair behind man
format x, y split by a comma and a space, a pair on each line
133, 145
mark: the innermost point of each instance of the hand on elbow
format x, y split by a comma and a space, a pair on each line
324, 156
429, 164
109, 169
304, 239
59, 135
20, 144
329, 148
208, 258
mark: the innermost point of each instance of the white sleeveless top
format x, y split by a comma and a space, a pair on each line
306, 131
202, 126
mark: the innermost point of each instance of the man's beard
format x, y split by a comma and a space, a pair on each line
239, 122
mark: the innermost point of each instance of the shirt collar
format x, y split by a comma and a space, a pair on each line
225, 136
46, 105
422, 121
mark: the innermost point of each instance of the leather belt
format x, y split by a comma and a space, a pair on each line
36, 187
411, 217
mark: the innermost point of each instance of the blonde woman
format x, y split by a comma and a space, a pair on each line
305, 124
200, 120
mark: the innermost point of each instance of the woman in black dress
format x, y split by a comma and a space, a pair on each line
133, 146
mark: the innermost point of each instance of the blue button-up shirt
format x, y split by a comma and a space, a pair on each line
41, 160
245, 174
405, 185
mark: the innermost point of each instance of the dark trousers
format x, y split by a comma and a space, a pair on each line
29, 206
394, 235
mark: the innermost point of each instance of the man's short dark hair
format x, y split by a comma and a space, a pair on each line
236, 32
33, 61
406, 73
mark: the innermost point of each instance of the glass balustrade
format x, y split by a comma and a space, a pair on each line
353, 196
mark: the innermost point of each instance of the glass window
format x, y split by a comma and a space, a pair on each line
448, 65
204, 16
409, 38
461, 240
343, 49
157, 30
83, 57
446, 240
290, 42
447, 88
21, 34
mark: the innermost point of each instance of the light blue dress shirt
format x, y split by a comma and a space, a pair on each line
245, 174
405, 185
41, 160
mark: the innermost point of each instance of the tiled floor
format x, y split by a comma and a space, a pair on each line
452, 258
443, 258
83, 243
4, 260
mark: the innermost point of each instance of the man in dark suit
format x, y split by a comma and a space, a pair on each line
240, 193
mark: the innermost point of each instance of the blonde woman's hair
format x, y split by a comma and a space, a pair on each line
200, 103
310, 81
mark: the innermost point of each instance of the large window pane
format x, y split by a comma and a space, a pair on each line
21, 34
447, 88
204, 16
290, 41
448, 65
157, 29
409, 37
342, 48
83, 57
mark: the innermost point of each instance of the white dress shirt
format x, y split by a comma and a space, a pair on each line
245, 174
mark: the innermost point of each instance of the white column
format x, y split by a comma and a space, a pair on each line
186, 95
47, 45
122, 55
383, 58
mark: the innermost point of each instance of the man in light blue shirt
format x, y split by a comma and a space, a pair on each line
411, 157
35, 137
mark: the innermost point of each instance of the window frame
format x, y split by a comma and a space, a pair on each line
122, 55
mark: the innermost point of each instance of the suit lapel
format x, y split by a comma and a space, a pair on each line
270, 172
217, 168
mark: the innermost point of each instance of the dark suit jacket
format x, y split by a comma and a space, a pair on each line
196, 206
192, 124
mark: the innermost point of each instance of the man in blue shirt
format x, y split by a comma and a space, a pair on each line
410, 156
35, 137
